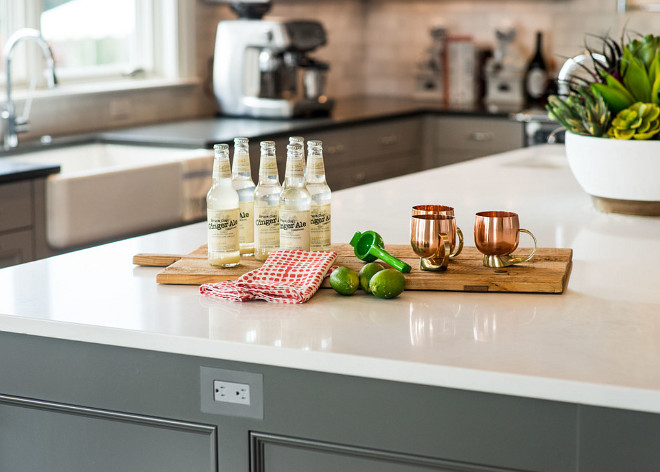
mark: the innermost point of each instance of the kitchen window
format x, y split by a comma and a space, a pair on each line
110, 43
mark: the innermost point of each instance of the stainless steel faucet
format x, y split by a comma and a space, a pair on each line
11, 126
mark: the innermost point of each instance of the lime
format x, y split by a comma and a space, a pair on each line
387, 283
344, 280
368, 271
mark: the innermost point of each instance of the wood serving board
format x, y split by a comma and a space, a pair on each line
548, 272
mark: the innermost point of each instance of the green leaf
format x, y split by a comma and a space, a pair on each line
636, 79
615, 98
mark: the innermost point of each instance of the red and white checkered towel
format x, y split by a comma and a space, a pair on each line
287, 276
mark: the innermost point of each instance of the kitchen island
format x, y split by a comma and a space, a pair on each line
96, 354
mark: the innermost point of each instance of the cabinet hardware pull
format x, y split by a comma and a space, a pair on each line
481, 136
334, 149
388, 140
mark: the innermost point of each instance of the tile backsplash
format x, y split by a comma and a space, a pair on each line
374, 47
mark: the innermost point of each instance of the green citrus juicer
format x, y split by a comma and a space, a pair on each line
369, 246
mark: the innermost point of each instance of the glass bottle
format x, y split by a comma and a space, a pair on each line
536, 76
222, 212
298, 140
319, 230
241, 176
267, 204
295, 203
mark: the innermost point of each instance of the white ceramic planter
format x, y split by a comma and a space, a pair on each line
622, 176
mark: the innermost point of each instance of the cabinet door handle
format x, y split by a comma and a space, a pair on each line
481, 136
334, 149
388, 140
360, 177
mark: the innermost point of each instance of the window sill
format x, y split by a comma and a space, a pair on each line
108, 87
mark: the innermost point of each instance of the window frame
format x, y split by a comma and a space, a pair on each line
168, 38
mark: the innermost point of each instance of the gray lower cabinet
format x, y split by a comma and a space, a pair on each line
80, 406
55, 437
16, 223
360, 153
457, 138
73, 406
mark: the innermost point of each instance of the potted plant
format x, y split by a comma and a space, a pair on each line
611, 112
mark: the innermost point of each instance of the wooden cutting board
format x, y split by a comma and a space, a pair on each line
548, 272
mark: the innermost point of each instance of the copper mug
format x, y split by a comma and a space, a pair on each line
430, 238
496, 237
456, 237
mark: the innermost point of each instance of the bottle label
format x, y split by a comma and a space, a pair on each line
221, 168
319, 230
295, 168
223, 230
268, 167
294, 229
315, 166
242, 163
246, 222
536, 83
266, 227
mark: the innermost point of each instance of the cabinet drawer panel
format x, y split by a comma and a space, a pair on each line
389, 137
61, 438
16, 248
381, 169
15, 205
486, 135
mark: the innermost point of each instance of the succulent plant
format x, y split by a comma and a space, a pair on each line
581, 113
639, 121
625, 77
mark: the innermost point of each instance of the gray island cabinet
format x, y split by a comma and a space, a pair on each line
103, 369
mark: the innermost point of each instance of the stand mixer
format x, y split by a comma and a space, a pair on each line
505, 73
262, 68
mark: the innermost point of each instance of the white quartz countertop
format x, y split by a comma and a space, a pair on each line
596, 344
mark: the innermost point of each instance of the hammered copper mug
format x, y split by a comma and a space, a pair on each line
430, 240
496, 235
456, 237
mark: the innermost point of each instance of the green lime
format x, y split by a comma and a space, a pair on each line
387, 283
344, 280
368, 271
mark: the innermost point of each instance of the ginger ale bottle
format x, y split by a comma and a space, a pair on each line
267, 204
319, 231
241, 176
222, 212
295, 203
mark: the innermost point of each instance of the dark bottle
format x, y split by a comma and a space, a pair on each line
536, 76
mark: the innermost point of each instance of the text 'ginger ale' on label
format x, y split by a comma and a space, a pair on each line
320, 219
266, 228
267, 204
319, 229
295, 203
222, 213
294, 229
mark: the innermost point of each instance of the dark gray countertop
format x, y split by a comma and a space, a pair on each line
12, 171
204, 132
207, 131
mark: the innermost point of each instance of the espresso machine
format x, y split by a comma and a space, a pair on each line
505, 73
262, 68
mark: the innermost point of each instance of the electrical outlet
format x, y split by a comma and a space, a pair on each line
231, 392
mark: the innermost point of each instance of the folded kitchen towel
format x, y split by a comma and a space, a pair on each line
287, 276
